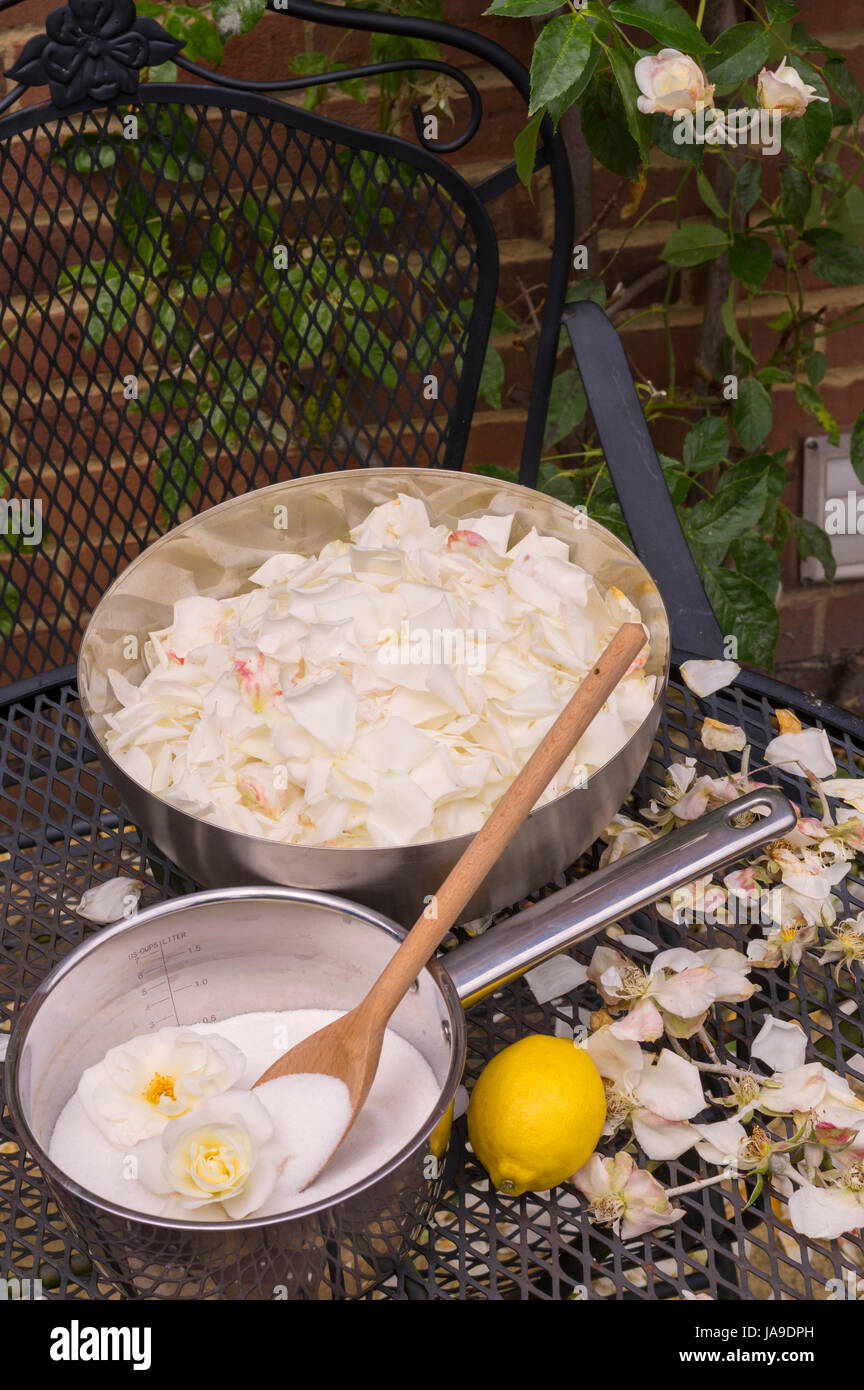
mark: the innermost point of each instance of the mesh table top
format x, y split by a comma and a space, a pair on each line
63, 830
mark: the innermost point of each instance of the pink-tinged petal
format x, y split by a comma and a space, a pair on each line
825, 1213
687, 994
615, 1057
799, 1090
642, 1024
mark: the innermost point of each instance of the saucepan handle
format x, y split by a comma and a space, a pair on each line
596, 901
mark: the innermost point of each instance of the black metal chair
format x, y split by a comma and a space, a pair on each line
205, 290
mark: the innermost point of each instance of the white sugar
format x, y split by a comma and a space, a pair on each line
309, 1115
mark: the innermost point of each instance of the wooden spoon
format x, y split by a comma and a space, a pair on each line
349, 1049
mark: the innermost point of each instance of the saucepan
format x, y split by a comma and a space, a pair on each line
211, 955
214, 553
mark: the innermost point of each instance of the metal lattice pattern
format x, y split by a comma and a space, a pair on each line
65, 830
220, 295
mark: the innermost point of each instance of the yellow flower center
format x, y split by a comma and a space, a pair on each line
789, 932
159, 1086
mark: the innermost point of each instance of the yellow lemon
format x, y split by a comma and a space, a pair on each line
536, 1114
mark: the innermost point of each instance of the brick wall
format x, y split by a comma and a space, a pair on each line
822, 641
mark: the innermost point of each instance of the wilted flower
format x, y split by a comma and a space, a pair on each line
653, 1096
624, 1196
785, 90
845, 945
675, 995
783, 946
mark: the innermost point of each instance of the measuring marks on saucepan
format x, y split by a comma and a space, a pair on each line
168, 988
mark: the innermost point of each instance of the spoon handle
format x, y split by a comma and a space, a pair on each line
513, 808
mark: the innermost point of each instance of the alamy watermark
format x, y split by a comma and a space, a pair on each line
435, 646
746, 126
21, 517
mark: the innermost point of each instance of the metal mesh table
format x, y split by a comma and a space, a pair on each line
63, 829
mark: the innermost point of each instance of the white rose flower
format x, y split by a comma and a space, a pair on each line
223, 1157
138, 1087
785, 90
671, 81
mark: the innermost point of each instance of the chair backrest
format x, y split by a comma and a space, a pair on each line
204, 290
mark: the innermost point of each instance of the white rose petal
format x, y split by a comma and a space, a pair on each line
706, 677
781, 1045
805, 754
672, 1087
725, 738
554, 978
110, 901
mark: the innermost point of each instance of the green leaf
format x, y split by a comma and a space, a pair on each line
779, 10
838, 261
752, 414
678, 482
813, 543
746, 612
734, 509
856, 451
816, 366
695, 244
567, 406
525, 148
738, 53
663, 129
838, 76
562, 103
709, 197
810, 400
604, 126
748, 184
755, 558
847, 215
492, 377
750, 259
561, 52
664, 20
797, 192
638, 124
517, 9
706, 444
730, 323
9, 601
203, 40
772, 376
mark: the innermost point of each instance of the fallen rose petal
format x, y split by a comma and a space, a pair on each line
781, 1045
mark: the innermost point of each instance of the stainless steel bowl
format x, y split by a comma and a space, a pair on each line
238, 950
214, 553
